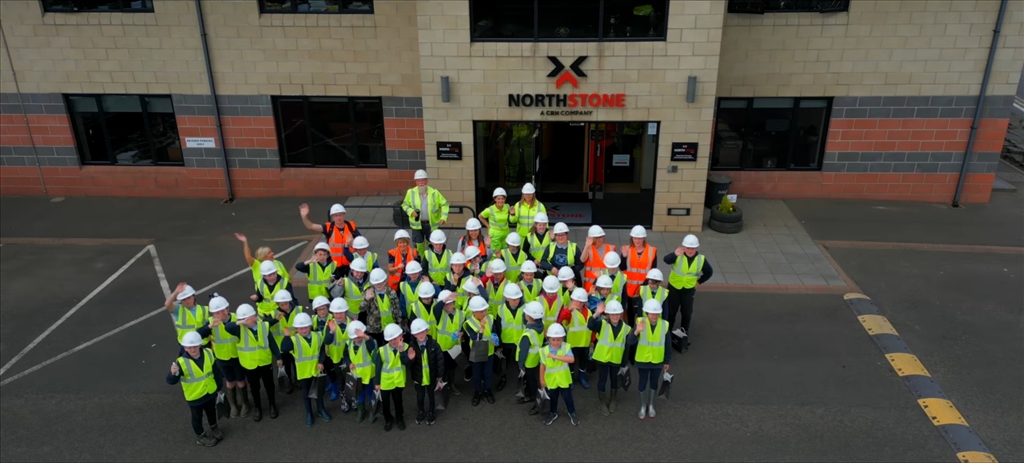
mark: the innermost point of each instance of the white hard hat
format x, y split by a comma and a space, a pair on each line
528, 189
477, 304
497, 266
189, 291
437, 237
652, 306
528, 267
358, 265
638, 232
470, 287
512, 292
378, 276
420, 175
321, 246
418, 326
550, 284
268, 268
540, 217
595, 231
354, 327
604, 281
561, 227
302, 320
473, 224
458, 258
392, 331
444, 295
425, 290
337, 209
613, 307
244, 311
691, 241
401, 234
612, 260
360, 242
566, 274
320, 301
218, 303
534, 310
471, 252
655, 274
283, 296
556, 331
513, 239
413, 268
499, 192
339, 305
191, 339
579, 294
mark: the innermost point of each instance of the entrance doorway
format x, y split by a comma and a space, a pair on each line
584, 172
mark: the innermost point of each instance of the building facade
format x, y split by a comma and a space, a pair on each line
617, 110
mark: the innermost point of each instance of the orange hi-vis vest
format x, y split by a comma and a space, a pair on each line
337, 237
637, 266
594, 266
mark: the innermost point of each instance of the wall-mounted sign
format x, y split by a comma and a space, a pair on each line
449, 150
732, 198
200, 143
684, 151
567, 104
679, 211
570, 212
621, 160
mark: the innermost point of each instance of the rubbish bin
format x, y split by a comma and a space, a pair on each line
400, 218
718, 187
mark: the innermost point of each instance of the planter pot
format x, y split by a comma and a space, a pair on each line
726, 223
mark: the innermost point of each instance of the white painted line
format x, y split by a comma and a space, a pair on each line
159, 271
135, 322
74, 309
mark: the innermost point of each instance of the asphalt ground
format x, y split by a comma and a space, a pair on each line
770, 377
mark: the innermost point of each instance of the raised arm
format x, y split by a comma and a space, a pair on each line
304, 213
173, 297
246, 252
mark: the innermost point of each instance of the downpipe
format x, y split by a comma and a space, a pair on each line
216, 106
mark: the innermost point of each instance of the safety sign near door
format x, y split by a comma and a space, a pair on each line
449, 150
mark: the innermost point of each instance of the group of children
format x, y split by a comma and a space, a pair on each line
518, 302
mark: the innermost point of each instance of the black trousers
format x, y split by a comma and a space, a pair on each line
532, 382
265, 374
606, 371
289, 365
449, 369
210, 408
387, 397
425, 392
680, 300
581, 355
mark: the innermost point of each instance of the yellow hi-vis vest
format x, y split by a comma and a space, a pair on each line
660, 295
448, 328
336, 349
526, 213
195, 382
278, 329
384, 306
254, 348
550, 311
533, 355
650, 348
365, 369
531, 293
513, 265
495, 296
611, 349
392, 373
185, 322
511, 325
683, 277
437, 266
577, 334
556, 372
354, 295
537, 245
418, 310
225, 345
473, 323
268, 306
320, 279
437, 207
307, 354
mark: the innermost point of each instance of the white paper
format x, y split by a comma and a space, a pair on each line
455, 351
667, 377
652, 128
679, 333
623, 370
440, 385
542, 394
732, 198
522, 372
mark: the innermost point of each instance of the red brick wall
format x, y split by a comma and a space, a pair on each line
899, 187
404, 134
47, 130
914, 135
239, 131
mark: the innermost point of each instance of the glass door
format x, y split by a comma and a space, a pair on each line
622, 157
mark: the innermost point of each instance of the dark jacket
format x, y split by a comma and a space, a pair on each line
435, 359
524, 342
705, 271
547, 259
369, 311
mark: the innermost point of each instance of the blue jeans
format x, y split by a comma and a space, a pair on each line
483, 374
570, 406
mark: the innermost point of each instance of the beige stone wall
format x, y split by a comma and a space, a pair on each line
161, 52
652, 74
878, 48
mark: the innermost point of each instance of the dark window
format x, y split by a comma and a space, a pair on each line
331, 131
98, 6
788, 6
770, 133
125, 129
317, 6
567, 20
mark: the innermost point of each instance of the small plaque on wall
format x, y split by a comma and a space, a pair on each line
684, 151
449, 150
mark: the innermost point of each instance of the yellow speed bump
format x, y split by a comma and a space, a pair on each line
941, 412
906, 364
973, 457
849, 296
877, 324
